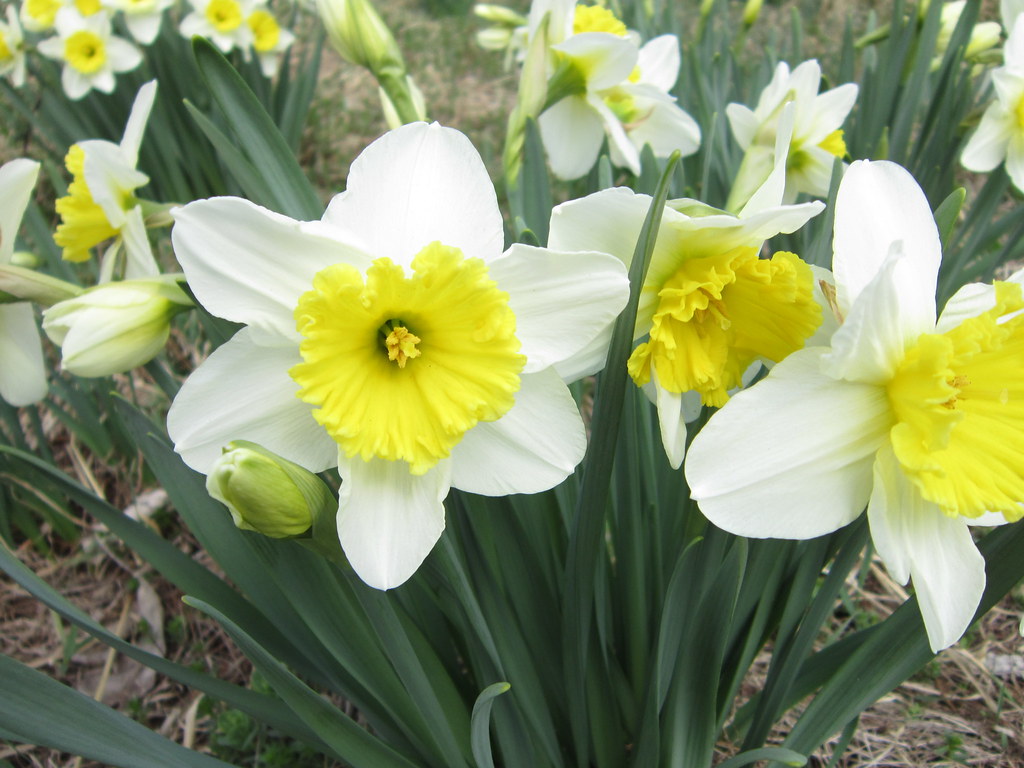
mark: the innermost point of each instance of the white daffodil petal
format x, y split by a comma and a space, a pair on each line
22, 371
139, 261
141, 107
243, 392
608, 221
881, 325
144, 28
110, 177
587, 361
623, 152
572, 133
666, 127
605, 59
814, 176
879, 204
987, 520
1015, 160
822, 337
388, 518
915, 539
772, 190
671, 422
532, 448
582, 293
750, 478
387, 206
744, 124
986, 148
17, 178
250, 265
659, 62
829, 111
889, 510
969, 301
122, 55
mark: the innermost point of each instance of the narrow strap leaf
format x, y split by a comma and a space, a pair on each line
480, 721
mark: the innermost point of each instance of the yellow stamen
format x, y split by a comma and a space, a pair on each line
401, 344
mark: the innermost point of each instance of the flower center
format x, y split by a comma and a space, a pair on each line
718, 314
958, 398
399, 343
594, 18
5, 52
224, 15
265, 30
83, 222
622, 104
400, 366
88, 7
84, 50
42, 12
1019, 113
834, 144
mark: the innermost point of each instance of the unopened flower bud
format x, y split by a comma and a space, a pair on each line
751, 11
358, 33
499, 14
114, 327
267, 493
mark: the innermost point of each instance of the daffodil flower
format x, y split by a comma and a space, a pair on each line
22, 372
394, 340
101, 204
12, 49
817, 139
625, 94
39, 15
92, 55
709, 306
1000, 135
142, 17
269, 40
920, 419
222, 21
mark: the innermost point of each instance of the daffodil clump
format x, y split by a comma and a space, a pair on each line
914, 415
83, 36
816, 139
604, 85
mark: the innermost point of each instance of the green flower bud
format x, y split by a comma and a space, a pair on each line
114, 327
267, 493
751, 11
500, 14
359, 34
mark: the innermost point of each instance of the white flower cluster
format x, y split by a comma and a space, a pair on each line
80, 34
